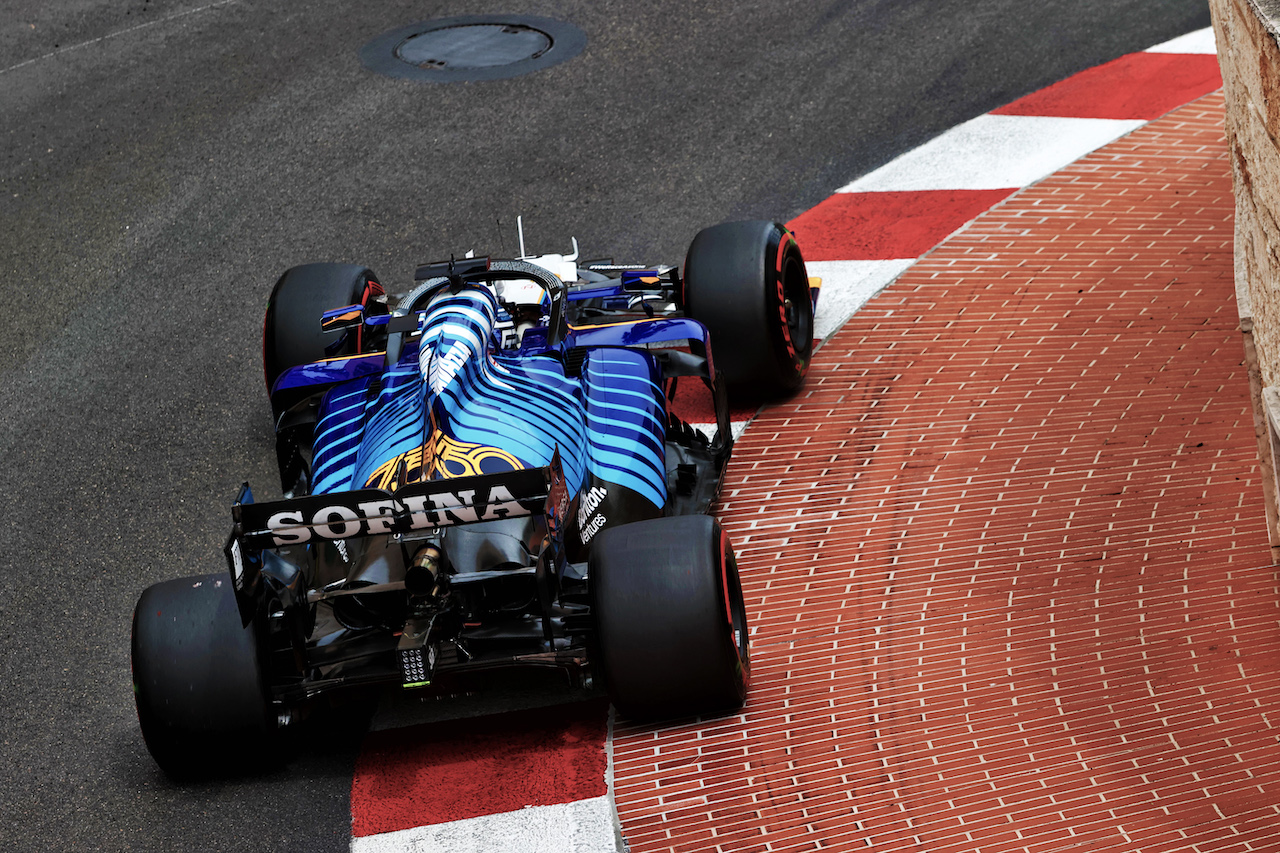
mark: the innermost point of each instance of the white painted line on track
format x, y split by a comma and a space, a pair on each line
1201, 41
584, 826
126, 31
993, 152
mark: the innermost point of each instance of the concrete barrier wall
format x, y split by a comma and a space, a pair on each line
1248, 40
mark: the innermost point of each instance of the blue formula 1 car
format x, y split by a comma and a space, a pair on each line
499, 472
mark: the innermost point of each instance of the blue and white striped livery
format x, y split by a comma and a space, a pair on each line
455, 405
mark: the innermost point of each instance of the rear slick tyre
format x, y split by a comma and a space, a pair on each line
747, 283
198, 680
670, 620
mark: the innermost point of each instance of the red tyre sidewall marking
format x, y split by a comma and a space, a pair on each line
726, 548
372, 290
724, 574
783, 244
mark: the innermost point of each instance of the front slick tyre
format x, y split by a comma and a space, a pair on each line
747, 283
670, 620
197, 680
291, 333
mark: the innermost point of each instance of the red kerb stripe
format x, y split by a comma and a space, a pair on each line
1136, 86
458, 769
884, 226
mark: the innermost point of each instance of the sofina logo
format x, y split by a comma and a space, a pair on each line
370, 518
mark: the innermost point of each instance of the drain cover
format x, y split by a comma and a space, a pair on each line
473, 48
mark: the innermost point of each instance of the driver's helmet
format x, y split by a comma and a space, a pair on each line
523, 295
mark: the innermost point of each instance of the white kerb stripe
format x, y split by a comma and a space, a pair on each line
585, 826
994, 152
846, 287
1200, 41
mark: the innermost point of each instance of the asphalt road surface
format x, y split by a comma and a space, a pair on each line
164, 160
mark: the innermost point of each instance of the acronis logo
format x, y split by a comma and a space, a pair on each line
439, 370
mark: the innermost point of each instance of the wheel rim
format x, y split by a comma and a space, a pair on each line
796, 302
736, 610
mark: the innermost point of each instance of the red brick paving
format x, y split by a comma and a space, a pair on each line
1005, 557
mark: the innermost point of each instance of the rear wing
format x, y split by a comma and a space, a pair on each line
423, 506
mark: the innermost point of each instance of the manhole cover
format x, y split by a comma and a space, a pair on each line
473, 47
